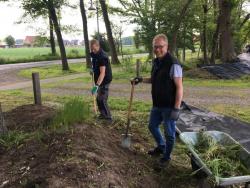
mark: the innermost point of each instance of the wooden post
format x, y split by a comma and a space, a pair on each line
36, 88
3, 128
138, 67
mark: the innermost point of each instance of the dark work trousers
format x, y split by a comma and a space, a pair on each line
102, 99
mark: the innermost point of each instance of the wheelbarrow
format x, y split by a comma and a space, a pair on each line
190, 140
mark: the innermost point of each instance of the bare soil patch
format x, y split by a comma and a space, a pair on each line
88, 155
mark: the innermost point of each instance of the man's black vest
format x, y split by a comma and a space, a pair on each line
163, 86
101, 59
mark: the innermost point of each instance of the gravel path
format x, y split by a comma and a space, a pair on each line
28, 84
197, 96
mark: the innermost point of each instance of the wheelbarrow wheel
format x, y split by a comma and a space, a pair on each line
200, 174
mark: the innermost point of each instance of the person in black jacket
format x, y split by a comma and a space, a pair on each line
167, 93
102, 77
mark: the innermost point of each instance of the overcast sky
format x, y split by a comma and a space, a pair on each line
10, 14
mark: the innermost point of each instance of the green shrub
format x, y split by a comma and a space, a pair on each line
146, 66
3, 60
74, 53
128, 64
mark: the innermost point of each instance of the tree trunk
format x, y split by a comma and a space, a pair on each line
215, 41
120, 39
228, 53
85, 33
51, 36
177, 52
114, 56
205, 10
52, 11
215, 3
184, 54
198, 55
177, 26
118, 45
184, 45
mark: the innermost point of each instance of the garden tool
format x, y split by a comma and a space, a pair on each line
94, 96
126, 138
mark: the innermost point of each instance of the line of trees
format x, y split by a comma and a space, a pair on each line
221, 26
50, 9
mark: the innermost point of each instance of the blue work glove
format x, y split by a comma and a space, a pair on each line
94, 89
174, 114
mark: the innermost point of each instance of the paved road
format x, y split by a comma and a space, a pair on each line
28, 84
47, 63
36, 64
9, 73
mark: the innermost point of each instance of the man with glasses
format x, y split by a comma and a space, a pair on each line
167, 93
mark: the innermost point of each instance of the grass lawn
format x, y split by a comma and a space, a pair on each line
238, 83
238, 112
53, 71
21, 55
123, 71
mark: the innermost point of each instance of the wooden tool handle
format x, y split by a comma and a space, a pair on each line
130, 105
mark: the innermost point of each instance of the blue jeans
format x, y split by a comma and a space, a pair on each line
157, 116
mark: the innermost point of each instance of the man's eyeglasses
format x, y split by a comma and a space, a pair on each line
159, 46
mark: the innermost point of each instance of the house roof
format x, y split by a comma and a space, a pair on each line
2, 43
30, 39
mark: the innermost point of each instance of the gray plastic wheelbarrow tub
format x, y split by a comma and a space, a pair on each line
190, 139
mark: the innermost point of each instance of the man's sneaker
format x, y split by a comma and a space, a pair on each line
100, 117
106, 119
155, 152
161, 164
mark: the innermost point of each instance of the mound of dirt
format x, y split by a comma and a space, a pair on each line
88, 155
28, 117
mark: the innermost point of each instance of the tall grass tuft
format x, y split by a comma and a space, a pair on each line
75, 110
13, 138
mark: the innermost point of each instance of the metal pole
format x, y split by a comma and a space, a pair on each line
97, 15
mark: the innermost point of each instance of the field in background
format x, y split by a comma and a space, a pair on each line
21, 55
